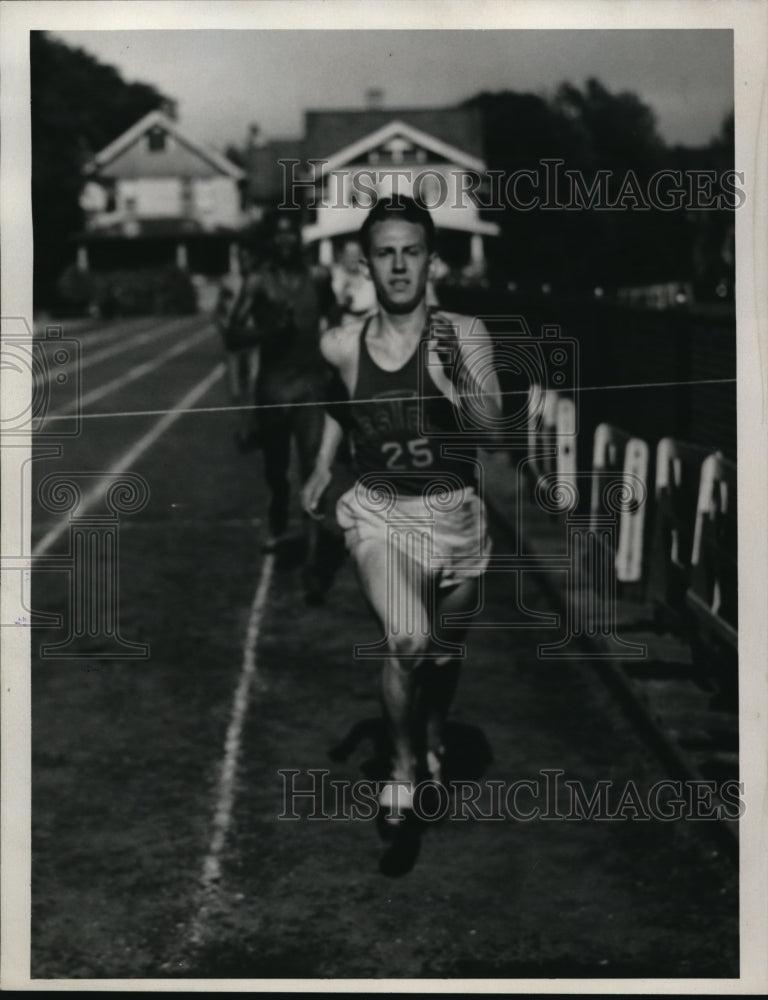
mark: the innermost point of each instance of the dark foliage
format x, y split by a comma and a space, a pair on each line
79, 105
136, 292
586, 131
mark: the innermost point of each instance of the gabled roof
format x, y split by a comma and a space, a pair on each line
328, 132
417, 136
158, 118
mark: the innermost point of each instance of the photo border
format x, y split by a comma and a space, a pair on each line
749, 21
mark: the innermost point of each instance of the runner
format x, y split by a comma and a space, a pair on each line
413, 522
289, 304
234, 322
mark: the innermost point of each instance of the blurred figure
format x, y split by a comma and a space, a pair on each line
438, 271
287, 304
234, 321
352, 285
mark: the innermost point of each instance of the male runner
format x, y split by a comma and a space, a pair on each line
414, 522
290, 303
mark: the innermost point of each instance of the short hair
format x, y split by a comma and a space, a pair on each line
398, 207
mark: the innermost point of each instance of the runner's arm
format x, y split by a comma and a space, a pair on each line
468, 361
335, 347
235, 314
479, 378
320, 477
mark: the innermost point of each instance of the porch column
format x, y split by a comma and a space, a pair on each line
325, 252
82, 258
476, 250
181, 256
234, 261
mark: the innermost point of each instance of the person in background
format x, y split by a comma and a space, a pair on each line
232, 317
287, 303
352, 284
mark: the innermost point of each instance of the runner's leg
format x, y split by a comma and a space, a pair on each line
248, 435
393, 585
438, 678
277, 459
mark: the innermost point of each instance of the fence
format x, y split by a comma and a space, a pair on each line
675, 543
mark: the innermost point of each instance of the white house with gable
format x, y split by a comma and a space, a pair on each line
159, 189
431, 153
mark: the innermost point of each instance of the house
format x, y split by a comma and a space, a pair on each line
155, 196
347, 157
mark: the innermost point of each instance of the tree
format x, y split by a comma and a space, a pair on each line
619, 130
710, 231
520, 130
78, 106
591, 129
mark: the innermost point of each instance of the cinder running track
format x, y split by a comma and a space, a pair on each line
157, 847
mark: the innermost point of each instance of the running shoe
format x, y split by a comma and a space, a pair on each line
400, 857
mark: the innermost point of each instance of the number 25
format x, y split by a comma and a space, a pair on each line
420, 452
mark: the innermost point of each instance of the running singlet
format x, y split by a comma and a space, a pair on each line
397, 435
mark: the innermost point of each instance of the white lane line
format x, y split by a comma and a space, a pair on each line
104, 331
110, 349
146, 368
134, 340
172, 522
236, 524
132, 455
225, 789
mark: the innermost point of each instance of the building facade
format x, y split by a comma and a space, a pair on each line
349, 157
157, 196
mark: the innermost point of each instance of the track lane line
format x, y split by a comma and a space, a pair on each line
145, 368
225, 787
104, 331
134, 340
133, 454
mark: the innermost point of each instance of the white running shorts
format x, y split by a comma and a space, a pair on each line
444, 532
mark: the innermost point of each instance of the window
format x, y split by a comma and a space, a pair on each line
187, 196
203, 196
397, 147
156, 140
